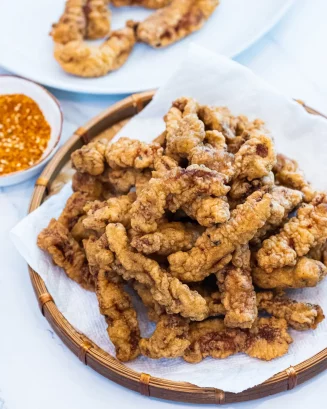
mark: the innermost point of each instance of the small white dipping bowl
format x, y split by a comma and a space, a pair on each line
51, 110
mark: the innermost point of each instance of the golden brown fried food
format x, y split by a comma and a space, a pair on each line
170, 191
166, 290
169, 339
74, 209
298, 315
79, 232
149, 4
116, 305
99, 257
208, 211
98, 18
319, 253
154, 309
114, 210
212, 297
237, 292
267, 339
169, 238
287, 173
242, 188
217, 242
90, 158
305, 273
78, 58
131, 153
175, 21
90, 185
255, 158
66, 253
297, 237
72, 23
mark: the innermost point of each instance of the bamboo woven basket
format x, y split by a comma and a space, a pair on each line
89, 353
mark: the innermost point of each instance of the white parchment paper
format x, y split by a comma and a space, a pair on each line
211, 79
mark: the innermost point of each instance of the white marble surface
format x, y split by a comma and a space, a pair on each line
36, 369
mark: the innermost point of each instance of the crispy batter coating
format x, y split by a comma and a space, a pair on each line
169, 238
169, 339
131, 153
155, 310
298, 315
217, 242
184, 129
305, 273
175, 21
80, 59
74, 209
212, 297
66, 253
149, 4
121, 181
297, 237
99, 257
208, 211
218, 119
170, 191
116, 305
72, 24
79, 232
266, 340
288, 173
242, 188
90, 185
284, 200
98, 18
237, 292
255, 158
319, 253
90, 158
166, 290
114, 210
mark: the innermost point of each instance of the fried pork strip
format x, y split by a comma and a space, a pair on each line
90, 158
305, 273
175, 21
90, 185
217, 242
171, 191
74, 209
66, 253
287, 173
319, 253
149, 4
98, 18
299, 315
237, 292
266, 340
169, 339
169, 238
166, 290
72, 24
154, 309
297, 237
114, 210
78, 58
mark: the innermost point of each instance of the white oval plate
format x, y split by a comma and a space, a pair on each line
26, 47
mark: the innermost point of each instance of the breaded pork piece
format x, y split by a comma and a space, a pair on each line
300, 234
175, 21
74, 209
98, 19
66, 253
217, 242
90, 158
305, 273
169, 339
80, 59
166, 290
149, 4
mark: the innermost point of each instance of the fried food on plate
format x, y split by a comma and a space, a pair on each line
78, 58
169, 238
175, 21
237, 292
166, 290
149, 4
300, 234
66, 253
169, 339
305, 273
170, 191
288, 173
98, 18
217, 242
299, 315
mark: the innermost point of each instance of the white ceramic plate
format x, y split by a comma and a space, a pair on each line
26, 47
51, 110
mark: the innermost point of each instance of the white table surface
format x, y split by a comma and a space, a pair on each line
36, 369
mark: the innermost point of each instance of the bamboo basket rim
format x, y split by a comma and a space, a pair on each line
93, 356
